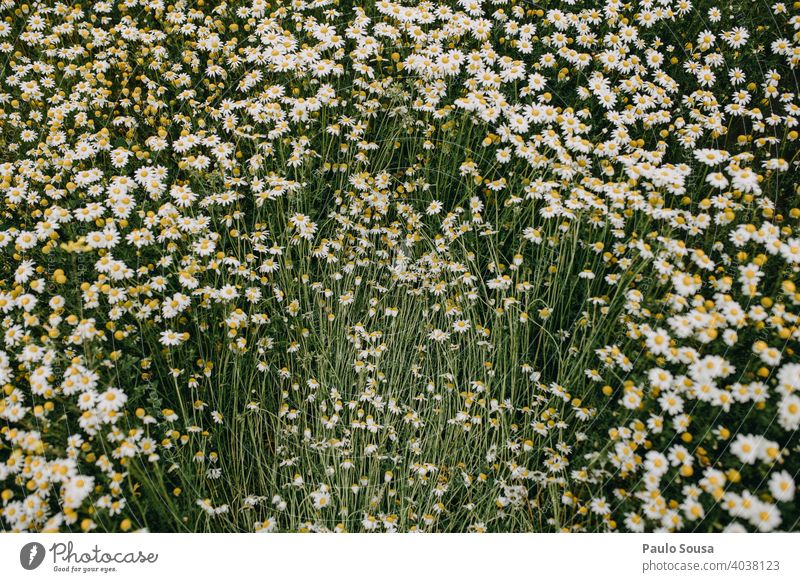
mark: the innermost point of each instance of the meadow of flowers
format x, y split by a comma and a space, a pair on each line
438, 266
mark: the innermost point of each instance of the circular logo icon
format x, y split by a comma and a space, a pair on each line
31, 555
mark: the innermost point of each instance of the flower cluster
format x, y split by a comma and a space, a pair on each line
473, 265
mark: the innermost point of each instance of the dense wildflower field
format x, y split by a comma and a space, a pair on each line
438, 266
